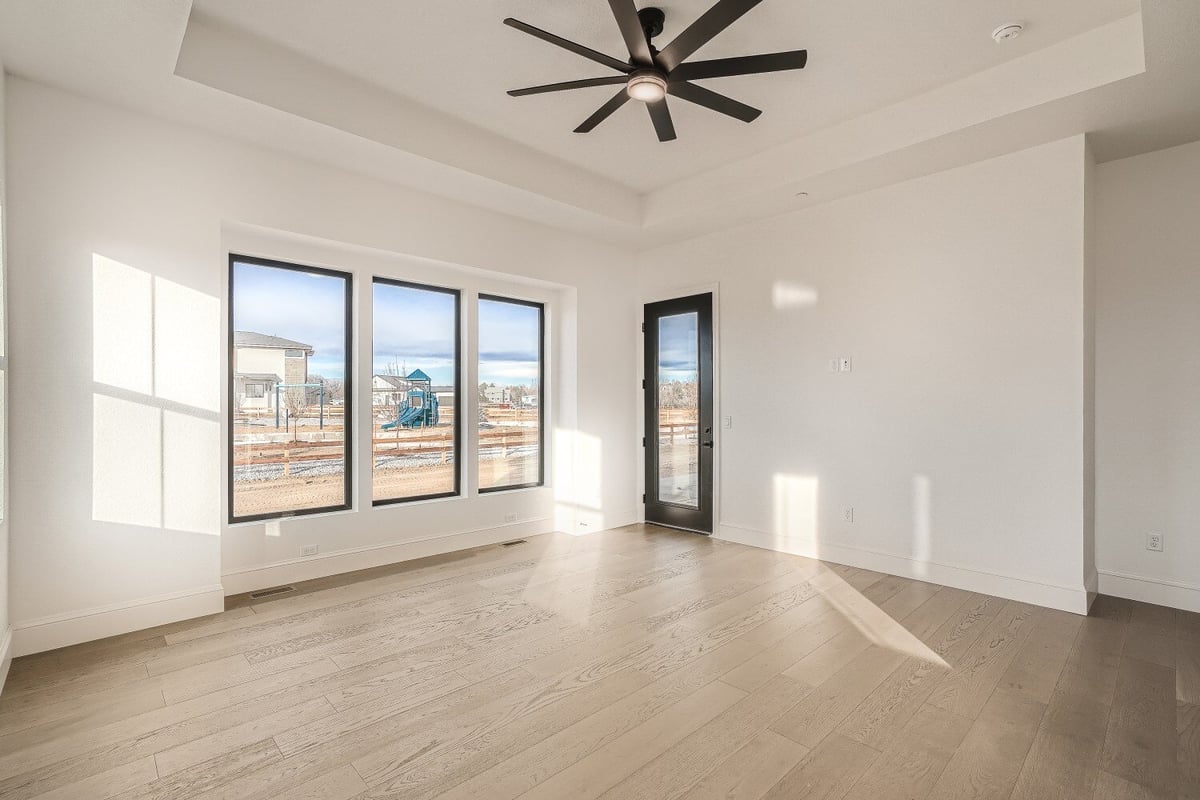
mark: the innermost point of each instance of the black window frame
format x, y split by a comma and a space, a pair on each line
458, 417
347, 391
541, 307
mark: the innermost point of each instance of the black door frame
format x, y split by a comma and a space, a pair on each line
699, 520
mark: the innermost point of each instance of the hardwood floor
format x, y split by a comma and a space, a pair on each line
636, 663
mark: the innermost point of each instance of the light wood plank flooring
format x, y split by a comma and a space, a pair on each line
636, 663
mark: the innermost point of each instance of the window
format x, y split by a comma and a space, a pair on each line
290, 447
414, 392
511, 376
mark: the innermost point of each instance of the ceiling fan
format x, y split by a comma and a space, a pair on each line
650, 74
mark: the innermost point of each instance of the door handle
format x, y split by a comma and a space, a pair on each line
706, 444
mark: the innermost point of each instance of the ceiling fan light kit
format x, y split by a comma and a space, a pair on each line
650, 74
647, 85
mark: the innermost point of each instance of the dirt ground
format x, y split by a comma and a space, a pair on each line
264, 497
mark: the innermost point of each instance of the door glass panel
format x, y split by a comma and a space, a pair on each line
678, 410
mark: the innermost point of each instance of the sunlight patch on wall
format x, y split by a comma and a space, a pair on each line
187, 366
786, 295
122, 326
126, 462
795, 509
154, 466
922, 544
579, 481
191, 449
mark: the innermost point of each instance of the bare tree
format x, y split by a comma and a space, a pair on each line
335, 390
293, 400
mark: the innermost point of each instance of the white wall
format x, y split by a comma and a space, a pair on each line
5, 629
166, 203
1148, 376
958, 438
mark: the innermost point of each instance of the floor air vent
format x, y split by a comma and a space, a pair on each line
510, 544
261, 593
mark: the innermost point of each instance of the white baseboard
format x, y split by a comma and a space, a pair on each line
1175, 594
1064, 598
74, 627
295, 570
5, 657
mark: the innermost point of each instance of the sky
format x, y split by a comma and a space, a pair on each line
302, 306
413, 327
678, 346
508, 343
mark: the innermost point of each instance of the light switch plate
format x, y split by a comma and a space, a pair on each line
846, 365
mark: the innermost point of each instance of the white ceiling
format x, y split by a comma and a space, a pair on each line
893, 90
456, 56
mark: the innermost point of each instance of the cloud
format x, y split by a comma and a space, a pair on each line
305, 307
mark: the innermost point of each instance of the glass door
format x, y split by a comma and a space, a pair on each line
679, 413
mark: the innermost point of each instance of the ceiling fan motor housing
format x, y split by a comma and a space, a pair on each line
652, 20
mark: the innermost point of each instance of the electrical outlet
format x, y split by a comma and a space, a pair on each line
510, 517
1154, 541
309, 550
848, 514
728, 423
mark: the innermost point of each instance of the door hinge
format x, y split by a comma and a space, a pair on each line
643, 441
643, 327
643, 383
643, 498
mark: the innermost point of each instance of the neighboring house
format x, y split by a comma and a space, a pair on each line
262, 362
530, 401
388, 390
497, 394
445, 396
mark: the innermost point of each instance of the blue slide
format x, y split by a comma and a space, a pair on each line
409, 417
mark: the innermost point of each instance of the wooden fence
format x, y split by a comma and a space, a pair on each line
408, 442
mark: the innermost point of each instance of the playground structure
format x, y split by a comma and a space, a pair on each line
420, 406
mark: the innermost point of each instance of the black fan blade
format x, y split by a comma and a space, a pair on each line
709, 99
700, 32
660, 115
631, 31
566, 44
564, 86
743, 65
604, 112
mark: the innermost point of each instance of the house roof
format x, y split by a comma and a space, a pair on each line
393, 380
259, 376
253, 339
418, 375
